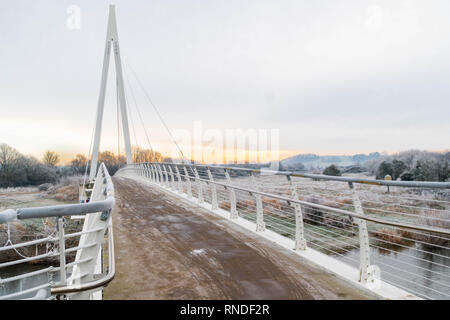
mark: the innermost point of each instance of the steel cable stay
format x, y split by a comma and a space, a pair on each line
138, 111
132, 122
156, 111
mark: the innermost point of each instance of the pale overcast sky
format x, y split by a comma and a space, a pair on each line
335, 77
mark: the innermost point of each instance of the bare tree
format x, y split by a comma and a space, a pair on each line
51, 158
78, 163
19, 170
145, 155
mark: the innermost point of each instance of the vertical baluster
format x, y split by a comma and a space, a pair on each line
300, 242
260, 225
188, 181
172, 179
367, 273
166, 176
199, 185
233, 210
147, 170
161, 177
154, 177
214, 204
180, 183
62, 251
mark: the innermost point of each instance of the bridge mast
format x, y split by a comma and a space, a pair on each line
112, 40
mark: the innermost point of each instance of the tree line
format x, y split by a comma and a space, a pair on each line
413, 165
17, 170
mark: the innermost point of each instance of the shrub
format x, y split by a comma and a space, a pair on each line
332, 171
385, 168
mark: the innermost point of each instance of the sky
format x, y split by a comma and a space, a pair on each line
328, 77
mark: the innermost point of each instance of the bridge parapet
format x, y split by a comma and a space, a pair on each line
397, 238
79, 278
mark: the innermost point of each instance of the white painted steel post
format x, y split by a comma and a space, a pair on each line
62, 252
180, 184
214, 204
199, 185
300, 241
100, 108
147, 170
152, 170
260, 225
233, 210
166, 176
367, 273
161, 177
172, 182
155, 172
188, 181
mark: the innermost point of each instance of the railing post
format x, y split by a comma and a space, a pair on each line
157, 178
62, 251
161, 177
152, 172
367, 273
188, 180
214, 204
172, 182
300, 242
150, 166
233, 210
166, 176
260, 225
147, 170
199, 185
180, 184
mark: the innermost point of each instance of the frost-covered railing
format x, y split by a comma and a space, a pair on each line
83, 277
396, 230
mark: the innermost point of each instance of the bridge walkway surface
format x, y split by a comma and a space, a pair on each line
169, 249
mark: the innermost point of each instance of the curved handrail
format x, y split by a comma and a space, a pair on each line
331, 209
411, 184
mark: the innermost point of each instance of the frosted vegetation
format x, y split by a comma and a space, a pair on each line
18, 170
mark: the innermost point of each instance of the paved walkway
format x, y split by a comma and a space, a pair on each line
166, 249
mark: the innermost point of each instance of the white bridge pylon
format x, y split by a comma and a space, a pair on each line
112, 40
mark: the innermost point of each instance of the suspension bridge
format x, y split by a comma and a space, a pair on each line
179, 230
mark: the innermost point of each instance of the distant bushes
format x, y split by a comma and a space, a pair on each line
17, 170
413, 165
332, 171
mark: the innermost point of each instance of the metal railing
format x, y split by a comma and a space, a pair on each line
66, 280
404, 233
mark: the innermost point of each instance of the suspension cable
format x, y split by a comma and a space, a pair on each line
139, 112
132, 122
157, 112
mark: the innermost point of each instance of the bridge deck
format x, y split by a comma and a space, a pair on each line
167, 249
